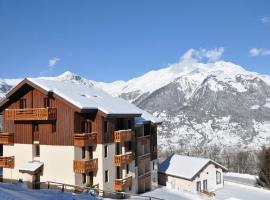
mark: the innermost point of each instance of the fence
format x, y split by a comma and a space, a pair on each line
93, 191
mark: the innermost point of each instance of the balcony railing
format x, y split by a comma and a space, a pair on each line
121, 184
85, 139
30, 114
144, 156
145, 176
120, 160
85, 166
7, 138
143, 139
123, 135
7, 162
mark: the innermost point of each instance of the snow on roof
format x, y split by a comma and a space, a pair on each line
90, 97
86, 97
31, 166
184, 166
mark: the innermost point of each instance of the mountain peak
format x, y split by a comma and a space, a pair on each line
70, 75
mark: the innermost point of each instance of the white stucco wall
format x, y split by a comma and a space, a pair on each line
209, 174
22, 153
105, 164
58, 162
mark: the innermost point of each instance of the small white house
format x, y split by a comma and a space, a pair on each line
191, 174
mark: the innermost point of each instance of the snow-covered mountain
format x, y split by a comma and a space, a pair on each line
201, 104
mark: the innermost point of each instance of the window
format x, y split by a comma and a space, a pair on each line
129, 124
53, 127
218, 177
83, 178
88, 126
205, 187
198, 184
83, 152
105, 151
153, 165
105, 126
90, 151
128, 145
22, 103
37, 150
46, 102
118, 149
118, 172
106, 176
127, 168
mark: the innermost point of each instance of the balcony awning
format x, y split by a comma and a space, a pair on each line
31, 167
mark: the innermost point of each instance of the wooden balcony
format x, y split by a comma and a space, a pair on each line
7, 162
7, 138
121, 184
144, 156
120, 160
143, 139
30, 114
123, 135
145, 176
85, 139
85, 166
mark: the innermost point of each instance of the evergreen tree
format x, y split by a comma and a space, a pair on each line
264, 167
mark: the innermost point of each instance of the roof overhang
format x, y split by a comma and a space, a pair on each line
123, 115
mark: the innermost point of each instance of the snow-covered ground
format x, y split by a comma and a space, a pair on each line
235, 191
169, 194
20, 192
245, 179
231, 191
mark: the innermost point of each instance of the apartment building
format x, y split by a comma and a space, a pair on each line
77, 134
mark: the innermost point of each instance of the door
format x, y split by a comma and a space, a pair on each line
118, 172
205, 187
198, 186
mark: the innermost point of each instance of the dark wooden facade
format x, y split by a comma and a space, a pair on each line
69, 120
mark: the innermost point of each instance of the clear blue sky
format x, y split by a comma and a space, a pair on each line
110, 40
